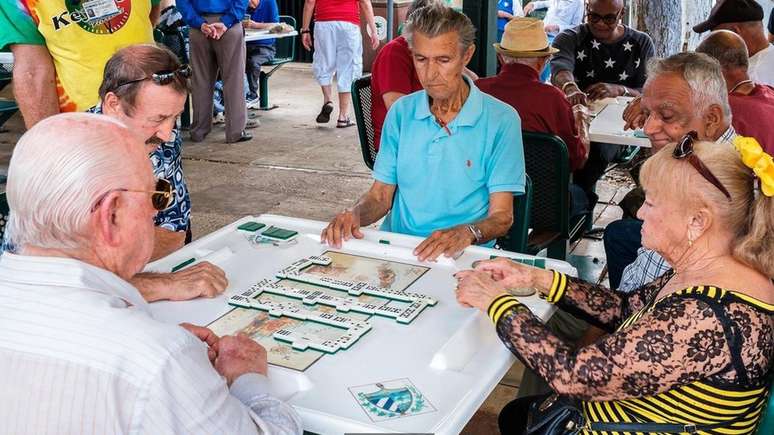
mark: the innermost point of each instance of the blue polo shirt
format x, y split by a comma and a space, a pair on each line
445, 180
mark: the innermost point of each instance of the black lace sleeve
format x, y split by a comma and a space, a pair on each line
599, 305
679, 341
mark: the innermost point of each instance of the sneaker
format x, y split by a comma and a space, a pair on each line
219, 119
254, 104
252, 123
244, 137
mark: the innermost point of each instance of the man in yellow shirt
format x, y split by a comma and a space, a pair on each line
60, 48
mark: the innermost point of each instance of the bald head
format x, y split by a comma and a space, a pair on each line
727, 48
616, 4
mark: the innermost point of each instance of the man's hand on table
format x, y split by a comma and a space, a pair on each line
343, 227
207, 336
238, 355
200, 280
600, 91
447, 242
575, 96
634, 115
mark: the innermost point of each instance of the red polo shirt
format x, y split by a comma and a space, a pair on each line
337, 10
392, 71
753, 115
541, 107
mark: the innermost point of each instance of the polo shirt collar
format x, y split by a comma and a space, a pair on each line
469, 114
68, 272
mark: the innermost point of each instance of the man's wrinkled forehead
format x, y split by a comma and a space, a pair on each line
667, 91
605, 7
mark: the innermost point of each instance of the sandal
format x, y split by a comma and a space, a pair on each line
325, 113
344, 123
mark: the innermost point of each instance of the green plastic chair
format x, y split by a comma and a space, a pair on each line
286, 52
4, 210
361, 102
548, 165
766, 426
518, 234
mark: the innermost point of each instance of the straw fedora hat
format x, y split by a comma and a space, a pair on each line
525, 37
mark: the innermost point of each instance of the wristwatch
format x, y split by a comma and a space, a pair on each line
477, 234
302, 31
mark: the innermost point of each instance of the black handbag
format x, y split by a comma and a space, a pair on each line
555, 415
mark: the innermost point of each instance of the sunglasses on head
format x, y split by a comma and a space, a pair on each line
684, 150
594, 18
164, 77
161, 198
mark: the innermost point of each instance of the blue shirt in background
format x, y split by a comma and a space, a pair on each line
445, 180
266, 12
192, 10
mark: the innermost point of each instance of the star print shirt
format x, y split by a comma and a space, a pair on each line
592, 61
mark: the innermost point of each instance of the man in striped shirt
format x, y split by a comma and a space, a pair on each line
80, 352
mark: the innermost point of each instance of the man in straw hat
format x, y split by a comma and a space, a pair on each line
524, 53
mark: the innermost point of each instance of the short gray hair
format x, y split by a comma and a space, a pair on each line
435, 20
58, 170
703, 75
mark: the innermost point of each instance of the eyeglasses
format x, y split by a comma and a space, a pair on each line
594, 18
684, 150
164, 77
161, 198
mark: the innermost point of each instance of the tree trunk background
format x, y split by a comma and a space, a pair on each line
662, 20
694, 12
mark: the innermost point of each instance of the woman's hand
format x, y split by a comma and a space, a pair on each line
477, 289
508, 273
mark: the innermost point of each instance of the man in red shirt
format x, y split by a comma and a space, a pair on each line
752, 104
523, 53
338, 49
392, 76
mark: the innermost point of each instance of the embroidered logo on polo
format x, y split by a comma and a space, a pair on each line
101, 17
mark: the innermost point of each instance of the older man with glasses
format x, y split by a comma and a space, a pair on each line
80, 351
599, 59
145, 87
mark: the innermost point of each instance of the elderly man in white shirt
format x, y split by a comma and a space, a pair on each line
79, 350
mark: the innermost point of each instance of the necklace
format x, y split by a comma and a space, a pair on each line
743, 82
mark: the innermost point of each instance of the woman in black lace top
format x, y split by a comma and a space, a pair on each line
693, 347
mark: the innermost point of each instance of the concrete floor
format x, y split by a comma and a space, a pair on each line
295, 167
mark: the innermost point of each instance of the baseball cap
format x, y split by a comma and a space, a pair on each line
731, 11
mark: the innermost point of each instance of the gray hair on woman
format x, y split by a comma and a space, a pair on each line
748, 216
58, 170
703, 75
435, 20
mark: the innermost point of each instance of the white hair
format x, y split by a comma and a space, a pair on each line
703, 75
58, 170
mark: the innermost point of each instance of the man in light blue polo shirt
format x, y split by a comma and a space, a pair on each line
451, 157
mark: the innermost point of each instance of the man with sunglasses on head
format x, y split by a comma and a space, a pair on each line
80, 350
684, 92
145, 87
599, 59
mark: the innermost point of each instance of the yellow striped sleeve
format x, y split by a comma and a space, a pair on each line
558, 286
500, 305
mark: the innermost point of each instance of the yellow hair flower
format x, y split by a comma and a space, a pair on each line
758, 160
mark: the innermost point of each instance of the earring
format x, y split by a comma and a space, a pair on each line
690, 242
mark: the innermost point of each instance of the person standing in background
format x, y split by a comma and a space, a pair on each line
338, 49
506, 11
217, 43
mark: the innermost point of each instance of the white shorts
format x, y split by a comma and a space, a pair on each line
338, 49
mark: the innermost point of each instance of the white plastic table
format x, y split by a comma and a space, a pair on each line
607, 125
450, 353
257, 35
